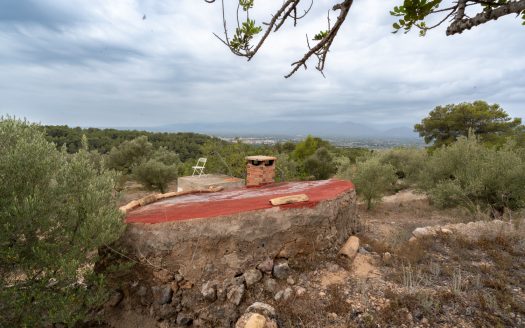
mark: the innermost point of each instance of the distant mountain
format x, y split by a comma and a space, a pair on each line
290, 128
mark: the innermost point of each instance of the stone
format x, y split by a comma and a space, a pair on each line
162, 294
235, 294
221, 293
266, 266
288, 292
184, 319
412, 239
166, 311
281, 270
300, 291
174, 287
209, 291
362, 250
262, 308
387, 257
255, 321
424, 232
350, 247
163, 276
270, 285
446, 231
332, 316
290, 281
278, 295
424, 321
252, 276
115, 298
178, 277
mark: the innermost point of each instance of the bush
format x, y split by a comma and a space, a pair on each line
372, 178
155, 175
320, 165
56, 209
469, 174
408, 162
129, 153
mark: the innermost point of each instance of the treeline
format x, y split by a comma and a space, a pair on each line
185, 144
156, 159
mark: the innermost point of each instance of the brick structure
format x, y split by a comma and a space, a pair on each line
260, 170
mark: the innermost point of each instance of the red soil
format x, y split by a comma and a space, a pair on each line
236, 201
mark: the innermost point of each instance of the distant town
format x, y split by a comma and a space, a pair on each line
370, 143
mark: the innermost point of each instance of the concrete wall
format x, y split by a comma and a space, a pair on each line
209, 180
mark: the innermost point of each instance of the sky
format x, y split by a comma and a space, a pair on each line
100, 63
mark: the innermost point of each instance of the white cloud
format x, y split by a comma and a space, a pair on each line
109, 67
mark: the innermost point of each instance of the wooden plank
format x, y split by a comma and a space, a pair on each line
289, 199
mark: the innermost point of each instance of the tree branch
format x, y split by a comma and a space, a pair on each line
458, 26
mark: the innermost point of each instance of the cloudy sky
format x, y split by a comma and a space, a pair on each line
99, 63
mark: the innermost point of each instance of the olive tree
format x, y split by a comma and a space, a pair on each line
56, 209
157, 172
372, 178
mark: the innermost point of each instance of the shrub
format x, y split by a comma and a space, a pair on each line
320, 165
469, 174
372, 178
408, 162
56, 209
157, 172
155, 175
129, 153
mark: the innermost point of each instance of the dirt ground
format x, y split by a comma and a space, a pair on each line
438, 281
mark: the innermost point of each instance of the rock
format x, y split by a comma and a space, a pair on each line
322, 294
350, 248
290, 281
446, 232
162, 294
221, 293
278, 295
281, 270
255, 321
252, 276
362, 250
184, 319
209, 291
266, 266
174, 287
387, 257
163, 276
166, 311
186, 285
235, 294
424, 232
115, 298
288, 292
412, 239
299, 291
178, 277
424, 321
270, 285
332, 316
262, 308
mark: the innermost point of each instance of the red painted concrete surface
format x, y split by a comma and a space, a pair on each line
236, 201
